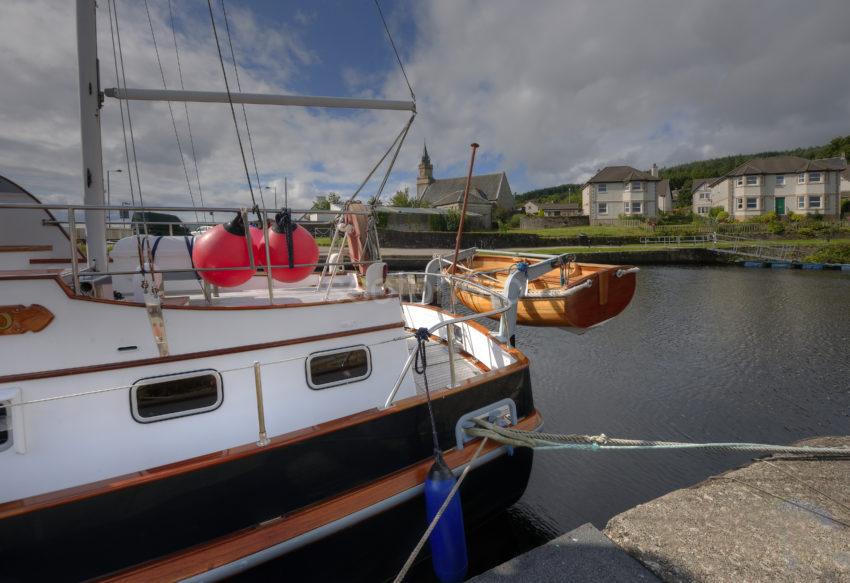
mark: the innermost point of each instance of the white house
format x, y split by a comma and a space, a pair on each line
623, 190
552, 209
780, 184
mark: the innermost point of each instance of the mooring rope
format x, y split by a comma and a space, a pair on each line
549, 441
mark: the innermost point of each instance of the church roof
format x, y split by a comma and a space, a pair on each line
487, 187
456, 197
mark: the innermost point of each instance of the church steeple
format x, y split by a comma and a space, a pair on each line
426, 172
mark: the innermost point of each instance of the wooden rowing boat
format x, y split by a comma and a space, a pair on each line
572, 295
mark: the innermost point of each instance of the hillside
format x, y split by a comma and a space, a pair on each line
682, 175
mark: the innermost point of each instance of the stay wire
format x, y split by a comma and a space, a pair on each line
244, 111
395, 50
233, 111
121, 105
171, 110
186, 106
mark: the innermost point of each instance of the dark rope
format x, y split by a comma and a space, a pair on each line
284, 223
422, 336
232, 109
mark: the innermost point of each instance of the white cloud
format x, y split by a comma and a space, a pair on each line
551, 90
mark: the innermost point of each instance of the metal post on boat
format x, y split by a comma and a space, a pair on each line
450, 339
248, 240
268, 258
72, 233
262, 439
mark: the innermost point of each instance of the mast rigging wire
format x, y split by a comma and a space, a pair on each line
171, 111
395, 50
121, 104
186, 105
233, 110
244, 111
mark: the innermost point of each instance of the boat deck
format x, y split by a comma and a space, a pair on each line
439, 375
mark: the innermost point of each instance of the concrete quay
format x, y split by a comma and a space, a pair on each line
778, 519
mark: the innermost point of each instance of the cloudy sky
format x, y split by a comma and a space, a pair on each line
552, 90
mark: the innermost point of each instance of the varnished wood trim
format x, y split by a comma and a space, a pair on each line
190, 355
236, 546
76, 493
43, 260
21, 319
24, 248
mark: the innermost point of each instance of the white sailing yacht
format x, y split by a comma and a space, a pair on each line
201, 431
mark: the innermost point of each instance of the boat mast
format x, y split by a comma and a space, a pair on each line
90, 133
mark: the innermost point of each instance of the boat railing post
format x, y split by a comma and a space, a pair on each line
269, 279
262, 439
75, 264
248, 240
450, 340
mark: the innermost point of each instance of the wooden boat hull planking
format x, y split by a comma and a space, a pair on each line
607, 297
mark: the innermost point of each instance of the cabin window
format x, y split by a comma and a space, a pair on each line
602, 208
814, 176
752, 202
752, 180
177, 395
5, 425
814, 202
331, 368
780, 180
602, 187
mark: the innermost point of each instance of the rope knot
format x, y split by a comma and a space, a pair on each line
422, 334
522, 267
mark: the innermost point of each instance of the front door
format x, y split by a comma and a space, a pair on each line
780, 206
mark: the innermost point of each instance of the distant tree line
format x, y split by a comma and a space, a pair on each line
553, 194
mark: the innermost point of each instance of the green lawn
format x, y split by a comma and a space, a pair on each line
813, 244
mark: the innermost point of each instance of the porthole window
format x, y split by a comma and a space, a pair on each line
177, 395
331, 368
5, 425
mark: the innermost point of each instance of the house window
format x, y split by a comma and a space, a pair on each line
602, 208
176, 395
801, 202
801, 178
636, 186
331, 368
705, 195
632, 208
814, 176
5, 425
752, 202
602, 187
814, 202
780, 180
752, 180
739, 181
739, 203
703, 210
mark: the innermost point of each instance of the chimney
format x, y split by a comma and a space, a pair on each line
654, 169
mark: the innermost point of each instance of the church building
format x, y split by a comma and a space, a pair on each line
487, 192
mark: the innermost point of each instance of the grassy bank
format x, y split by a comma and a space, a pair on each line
816, 250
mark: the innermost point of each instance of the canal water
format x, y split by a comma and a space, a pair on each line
701, 354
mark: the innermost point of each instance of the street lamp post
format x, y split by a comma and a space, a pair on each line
275, 193
108, 198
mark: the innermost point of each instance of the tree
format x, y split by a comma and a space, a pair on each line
324, 202
402, 198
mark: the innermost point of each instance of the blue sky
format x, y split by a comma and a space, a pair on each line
552, 89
